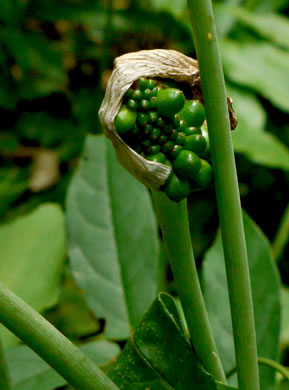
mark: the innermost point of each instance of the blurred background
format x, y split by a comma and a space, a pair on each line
56, 57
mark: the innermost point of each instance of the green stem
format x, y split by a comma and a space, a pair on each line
4, 375
50, 344
228, 198
282, 235
269, 363
173, 220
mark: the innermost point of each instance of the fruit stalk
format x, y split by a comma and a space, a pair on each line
50, 344
4, 374
173, 220
228, 198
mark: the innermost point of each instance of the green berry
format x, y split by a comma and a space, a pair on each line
176, 151
153, 149
137, 94
132, 104
182, 126
142, 118
180, 138
155, 134
205, 134
168, 146
160, 122
153, 102
125, 120
143, 83
147, 129
156, 90
187, 164
163, 138
144, 105
192, 130
174, 134
170, 101
146, 144
158, 157
195, 143
177, 189
193, 113
153, 116
205, 175
176, 120
147, 94
151, 84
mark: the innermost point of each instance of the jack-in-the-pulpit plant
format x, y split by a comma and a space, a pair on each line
153, 112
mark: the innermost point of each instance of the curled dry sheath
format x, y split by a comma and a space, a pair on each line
127, 69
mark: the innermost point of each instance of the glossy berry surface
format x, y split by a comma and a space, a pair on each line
195, 143
177, 188
125, 120
170, 101
162, 126
205, 175
187, 164
193, 113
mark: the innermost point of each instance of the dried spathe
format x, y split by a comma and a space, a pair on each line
129, 68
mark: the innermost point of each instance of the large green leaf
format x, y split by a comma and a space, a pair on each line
250, 138
272, 26
113, 243
284, 385
266, 297
29, 372
260, 66
32, 254
158, 356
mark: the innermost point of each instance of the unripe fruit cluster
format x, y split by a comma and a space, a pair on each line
160, 124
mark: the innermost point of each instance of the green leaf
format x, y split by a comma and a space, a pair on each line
266, 298
32, 254
29, 372
250, 138
113, 243
271, 26
284, 385
259, 66
285, 317
158, 356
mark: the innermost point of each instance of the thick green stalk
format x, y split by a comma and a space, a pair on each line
173, 220
50, 344
228, 198
4, 375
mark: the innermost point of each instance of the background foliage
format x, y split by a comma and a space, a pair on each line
55, 60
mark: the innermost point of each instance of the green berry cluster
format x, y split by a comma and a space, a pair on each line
160, 124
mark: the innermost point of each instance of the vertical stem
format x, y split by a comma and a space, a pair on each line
4, 375
50, 344
173, 220
228, 198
